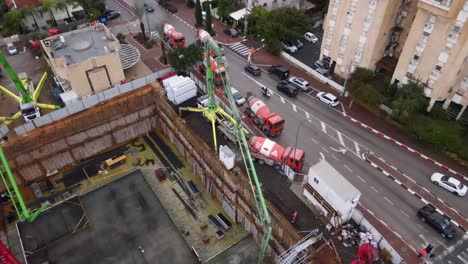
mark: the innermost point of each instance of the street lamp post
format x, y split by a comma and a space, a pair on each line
297, 134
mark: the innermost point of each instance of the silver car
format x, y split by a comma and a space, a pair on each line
300, 83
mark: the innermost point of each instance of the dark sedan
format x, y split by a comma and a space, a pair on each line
113, 15
437, 221
253, 69
231, 32
287, 88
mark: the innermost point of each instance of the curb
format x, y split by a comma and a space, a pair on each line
414, 193
417, 153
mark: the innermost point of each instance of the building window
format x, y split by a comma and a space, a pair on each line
409, 75
316, 180
456, 29
416, 57
438, 67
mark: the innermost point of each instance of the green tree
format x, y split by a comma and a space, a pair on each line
362, 74
409, 100
208, 19
198, 14
225, 8
183, 58
13, 23
368, 94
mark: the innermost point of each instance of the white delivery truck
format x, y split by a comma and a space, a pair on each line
179, 89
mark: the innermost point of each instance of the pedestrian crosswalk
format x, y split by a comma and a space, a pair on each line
240, 48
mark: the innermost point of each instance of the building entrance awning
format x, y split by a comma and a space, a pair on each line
239, 14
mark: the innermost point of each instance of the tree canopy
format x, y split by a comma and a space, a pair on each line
285, 23
198, 14
183, 58
225, 8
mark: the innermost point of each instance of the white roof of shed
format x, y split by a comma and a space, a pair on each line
239, 14
326, 173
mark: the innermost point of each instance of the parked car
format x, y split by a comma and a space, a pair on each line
289, 47
280, 71
149, 8
298, 44
253, 69
11, 49
437, 221
240, 100
310, 37
287, 88
300, 83
107, 11
328, 99
449, 183
231, 32
113, 15
320, 65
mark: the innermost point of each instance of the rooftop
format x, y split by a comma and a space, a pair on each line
332, 177
80, 45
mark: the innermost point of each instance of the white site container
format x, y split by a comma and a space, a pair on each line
333, 187
180, 89
227, 157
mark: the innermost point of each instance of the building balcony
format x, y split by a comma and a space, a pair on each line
457, 98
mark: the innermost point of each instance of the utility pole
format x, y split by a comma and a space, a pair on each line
245, 18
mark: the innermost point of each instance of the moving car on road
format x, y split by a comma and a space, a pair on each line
240, 100
231, 32
253, 69
439, 222
300, 83
310, 37
113, 15
449, 183
11, 49
287, 88
328, 99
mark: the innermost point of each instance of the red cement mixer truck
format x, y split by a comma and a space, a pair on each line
173, 38
266, 151
270, 123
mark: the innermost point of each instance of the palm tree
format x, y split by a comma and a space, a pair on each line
140, 11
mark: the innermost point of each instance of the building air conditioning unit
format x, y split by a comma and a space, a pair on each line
47, 43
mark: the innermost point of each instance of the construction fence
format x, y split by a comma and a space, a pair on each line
86, 103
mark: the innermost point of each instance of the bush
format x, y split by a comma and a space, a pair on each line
440, 134
368, 94
190, 4
363, 74
171, 8
149, 43
121, 38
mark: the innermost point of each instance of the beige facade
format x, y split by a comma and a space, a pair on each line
86, 60
424, 40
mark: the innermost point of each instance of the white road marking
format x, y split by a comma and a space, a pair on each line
390, 202
360, 178
440, 242
372, 187
420, 226
282, 99
334, 157
404, 213
340, 138
307, 115
356, 145
315, 141
294, 107
347, 168
324, 127
321, 155
462, 259
326, 150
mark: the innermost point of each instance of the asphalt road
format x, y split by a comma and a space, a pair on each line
328, 129
396, 206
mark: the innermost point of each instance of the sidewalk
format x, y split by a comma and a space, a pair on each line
149, 57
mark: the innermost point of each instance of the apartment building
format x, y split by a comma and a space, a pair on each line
88, 60
272, 4
402, 40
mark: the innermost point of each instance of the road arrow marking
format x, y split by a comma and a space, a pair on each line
342, 150
323, 156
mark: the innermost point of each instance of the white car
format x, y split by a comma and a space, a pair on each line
300, 83
240, 100
449, 183
289, 47
310, 37
11, 49
328, 98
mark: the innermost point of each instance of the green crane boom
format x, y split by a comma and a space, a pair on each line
26, 95
210, 45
